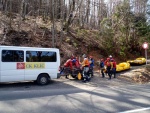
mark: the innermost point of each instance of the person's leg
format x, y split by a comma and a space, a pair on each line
61, 70
81, 71
92, 71
85, 77
84, 74
69, 72
65, 71
88, 77
114, 71
109, 73
67, 77
102, 72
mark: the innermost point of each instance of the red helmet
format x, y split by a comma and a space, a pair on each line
102, 59
91, 56
108, 58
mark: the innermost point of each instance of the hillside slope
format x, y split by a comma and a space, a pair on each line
34, 32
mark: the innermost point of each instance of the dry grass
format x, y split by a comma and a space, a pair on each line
141, 75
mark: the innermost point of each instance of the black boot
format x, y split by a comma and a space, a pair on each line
67, 77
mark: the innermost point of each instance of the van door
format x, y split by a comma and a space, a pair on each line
12, 65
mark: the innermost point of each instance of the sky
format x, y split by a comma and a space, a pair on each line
148, 8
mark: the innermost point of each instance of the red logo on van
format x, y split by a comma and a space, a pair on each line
20, 65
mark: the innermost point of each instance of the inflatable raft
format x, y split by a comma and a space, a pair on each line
137, 61
122, 66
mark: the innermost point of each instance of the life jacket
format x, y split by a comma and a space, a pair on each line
114, 64
85, 62
77, 64
109, 64
91, 62
106, 61
101, 64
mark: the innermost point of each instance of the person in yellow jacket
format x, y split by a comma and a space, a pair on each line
85, 67
85, 62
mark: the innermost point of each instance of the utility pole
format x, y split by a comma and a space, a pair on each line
145, 46
53, 27
62, 20
10, 14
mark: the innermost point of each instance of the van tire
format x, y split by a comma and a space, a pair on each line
43, 79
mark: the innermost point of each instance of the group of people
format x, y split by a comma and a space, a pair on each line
108, 66
85, 66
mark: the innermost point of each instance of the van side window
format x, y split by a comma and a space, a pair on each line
41, 56
12, 56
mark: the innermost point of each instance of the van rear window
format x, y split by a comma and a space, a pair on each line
41, 56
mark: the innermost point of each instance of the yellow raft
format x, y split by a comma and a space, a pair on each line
122, 66
137, 61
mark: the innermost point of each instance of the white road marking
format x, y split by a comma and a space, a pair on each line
136, 110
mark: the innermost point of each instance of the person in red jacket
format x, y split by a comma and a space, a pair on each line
77, 62
68, 63
68, 66
114, 67
109, 68
106, 61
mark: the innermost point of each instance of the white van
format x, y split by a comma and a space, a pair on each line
29, 63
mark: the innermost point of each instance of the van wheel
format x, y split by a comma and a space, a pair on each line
43, 79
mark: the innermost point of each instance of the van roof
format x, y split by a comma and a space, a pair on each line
22, 47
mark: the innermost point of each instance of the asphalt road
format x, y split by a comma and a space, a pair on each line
100, 95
